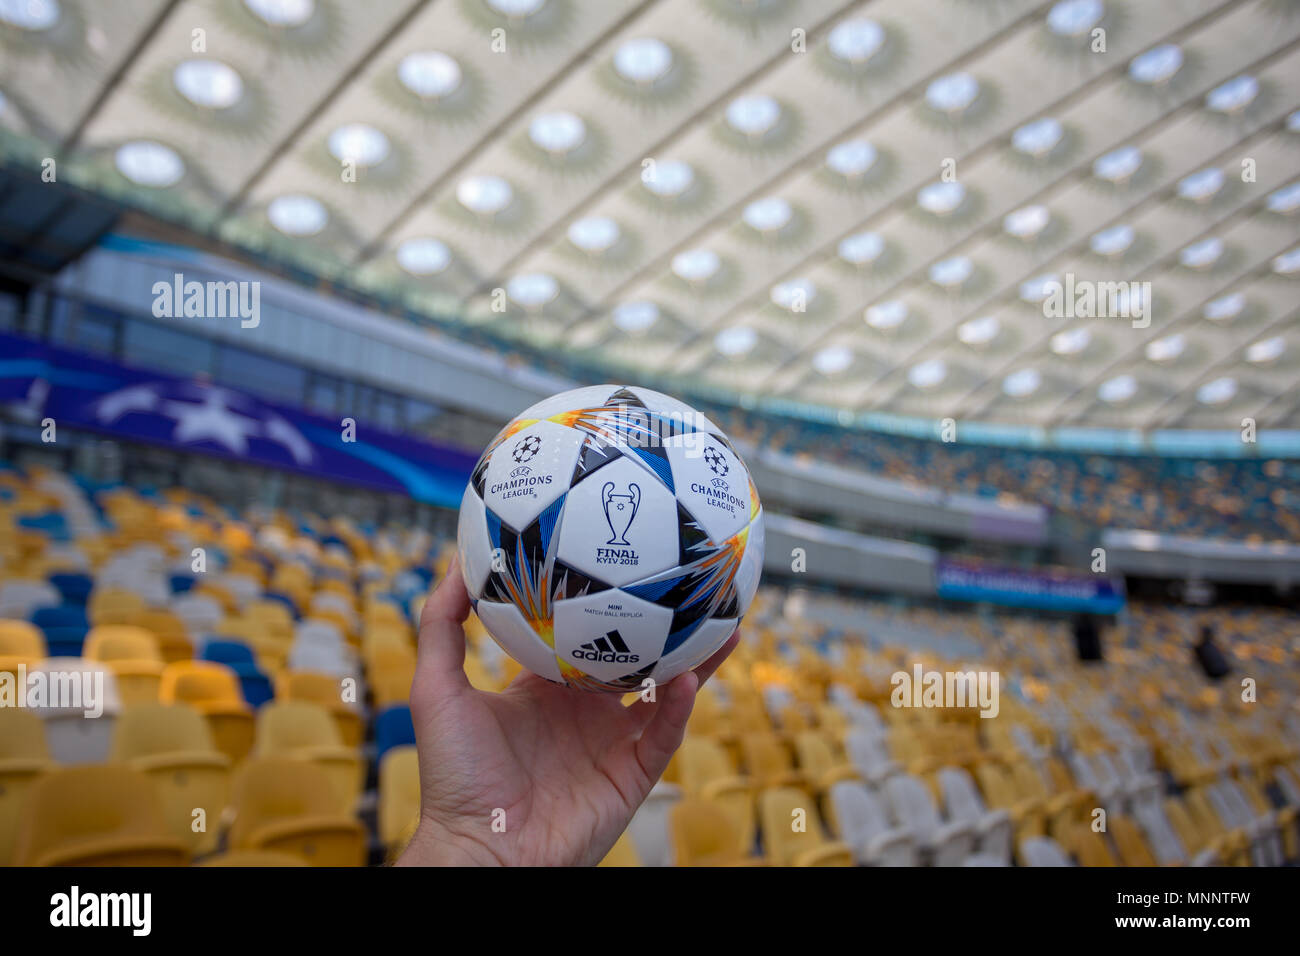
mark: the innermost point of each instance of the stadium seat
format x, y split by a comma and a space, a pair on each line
213, 690
65, 627
238, 656
21, 642
77, 689
304, 730
867, 751
171, 744
622, 853
328, 691
105, 815
132, 653
1129, 844
768, 762
649, 826
200, 613
169, 630
393, 728
24, 758
792, 831
702, 768
390, 672
818, 763
253, 858
940, 843
20, 599
702, 835
111, 605
1043, 851
288, 806
73, 588
961, 801
858, 818
399, 796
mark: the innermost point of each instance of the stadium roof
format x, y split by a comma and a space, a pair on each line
851, 205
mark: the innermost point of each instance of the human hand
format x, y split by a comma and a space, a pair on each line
568, 768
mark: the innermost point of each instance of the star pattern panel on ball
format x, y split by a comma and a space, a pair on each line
529, 470
712, 484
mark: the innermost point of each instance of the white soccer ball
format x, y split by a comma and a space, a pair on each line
608, 535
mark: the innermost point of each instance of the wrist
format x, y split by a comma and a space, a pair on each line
435, 844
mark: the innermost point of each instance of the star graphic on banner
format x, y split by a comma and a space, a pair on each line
280, 431
136, 398
212, 420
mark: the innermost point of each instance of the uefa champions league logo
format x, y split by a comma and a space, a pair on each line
717, 464
526, 449
620, 510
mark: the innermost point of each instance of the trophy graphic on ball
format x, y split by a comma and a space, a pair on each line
620, 510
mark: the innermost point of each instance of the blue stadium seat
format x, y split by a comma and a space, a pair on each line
74, 587
393, 728
238, 656
65, 628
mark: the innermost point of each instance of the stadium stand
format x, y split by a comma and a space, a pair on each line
797, 722
1252, 499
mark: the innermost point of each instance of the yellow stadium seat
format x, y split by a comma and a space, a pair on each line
172, 745
133, 654
390, 672
622, 853
1129, 843
24, 757
302, 729
113, 606
1089, 847
20, 643
792, 831
287, 806
102, 815
1227, 849
768, 761
399, 796
253, 858
169, 631
213, 690
818, 763
702, 835
327, 691
703, 769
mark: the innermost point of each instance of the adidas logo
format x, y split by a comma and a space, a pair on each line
609, 649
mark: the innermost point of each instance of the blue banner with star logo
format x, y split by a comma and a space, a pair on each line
39, 381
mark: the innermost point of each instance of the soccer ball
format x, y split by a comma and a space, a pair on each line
608, 535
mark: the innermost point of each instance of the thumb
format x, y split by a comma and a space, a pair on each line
663, 734
442, 636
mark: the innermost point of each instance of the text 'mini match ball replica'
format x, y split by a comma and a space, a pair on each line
608, 535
